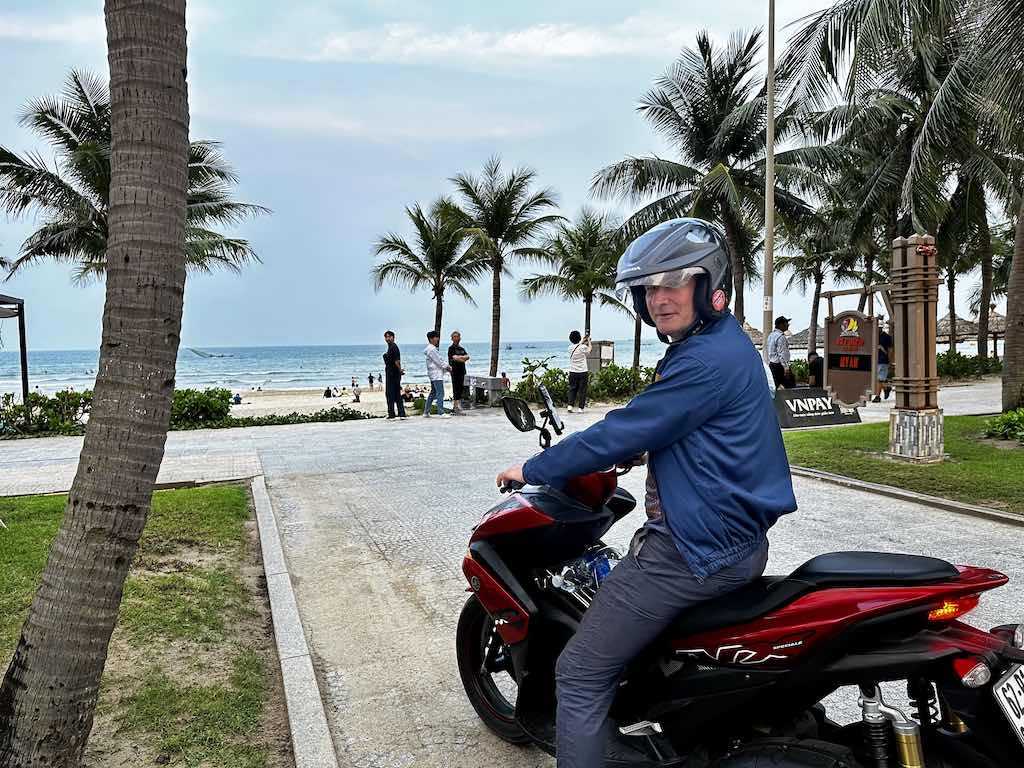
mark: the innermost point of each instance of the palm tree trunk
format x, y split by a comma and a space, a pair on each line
812, 333
739, 276
1013, 346
951, 290
438, 311
637, 328
869, 278
49, 693
587, 303
985, 244
496, 264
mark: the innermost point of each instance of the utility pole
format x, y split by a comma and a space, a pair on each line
769, 187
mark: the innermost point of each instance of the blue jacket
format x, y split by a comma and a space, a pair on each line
709, 424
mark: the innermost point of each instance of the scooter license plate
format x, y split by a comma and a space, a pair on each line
1009, 692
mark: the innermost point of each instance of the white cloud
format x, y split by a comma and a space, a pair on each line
642, 36
79, 29
86, 29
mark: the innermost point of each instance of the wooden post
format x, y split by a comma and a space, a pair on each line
24, 364
915, 424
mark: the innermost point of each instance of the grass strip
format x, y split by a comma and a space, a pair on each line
978, 471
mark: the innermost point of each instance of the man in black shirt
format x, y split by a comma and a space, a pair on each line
457, 359
815, 370
393, 371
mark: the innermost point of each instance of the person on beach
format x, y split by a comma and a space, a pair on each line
393, 382
370, 380
356, 392
436, 366
457, 359
505, 381
579, 375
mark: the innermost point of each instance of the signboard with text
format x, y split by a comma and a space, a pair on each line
809, 407
851, 348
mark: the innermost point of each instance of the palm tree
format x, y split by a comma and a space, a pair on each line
709, 108
49, 692
440, 260
583, 257
816, 249
502, 213
932, 98
73, 196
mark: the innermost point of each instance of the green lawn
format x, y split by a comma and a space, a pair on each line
978, 471
199, 696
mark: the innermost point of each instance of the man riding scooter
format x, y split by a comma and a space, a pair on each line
718, 477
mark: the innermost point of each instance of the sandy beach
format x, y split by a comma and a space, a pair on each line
284, 401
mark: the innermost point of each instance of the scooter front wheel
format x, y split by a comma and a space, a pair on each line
486, 671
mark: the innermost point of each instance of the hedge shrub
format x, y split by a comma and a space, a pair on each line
953, 365
1006, 426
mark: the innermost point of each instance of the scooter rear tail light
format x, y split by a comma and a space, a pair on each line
972, 671
953, 608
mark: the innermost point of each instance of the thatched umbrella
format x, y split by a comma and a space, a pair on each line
996, 323
755, 335
965, 329
799, 339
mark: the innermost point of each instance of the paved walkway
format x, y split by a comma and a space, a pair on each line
375, 518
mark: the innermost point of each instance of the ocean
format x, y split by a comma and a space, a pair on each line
244, 368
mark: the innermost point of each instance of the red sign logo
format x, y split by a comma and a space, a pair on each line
718, 300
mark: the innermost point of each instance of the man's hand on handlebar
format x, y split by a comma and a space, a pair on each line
511, 478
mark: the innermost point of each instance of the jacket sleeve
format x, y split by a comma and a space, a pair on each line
665, 412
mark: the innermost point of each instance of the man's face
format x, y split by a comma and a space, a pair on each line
435, 340
671, 308
456, 337
389, 337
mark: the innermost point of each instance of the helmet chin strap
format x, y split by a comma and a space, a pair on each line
692, 329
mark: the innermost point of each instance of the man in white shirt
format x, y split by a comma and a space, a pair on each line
778, 354
436, 366
579, 375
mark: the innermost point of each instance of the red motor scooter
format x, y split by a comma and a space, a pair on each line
738, 682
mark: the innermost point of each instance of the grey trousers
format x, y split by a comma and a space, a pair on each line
640, 598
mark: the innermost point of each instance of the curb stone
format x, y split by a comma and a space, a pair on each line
912, 496
312, 745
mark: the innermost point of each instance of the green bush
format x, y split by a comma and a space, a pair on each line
1006, 426
197, 407
953, 365
800, 369
65, 412
62, 414
613, 382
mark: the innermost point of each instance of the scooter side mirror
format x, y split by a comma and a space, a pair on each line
518, 412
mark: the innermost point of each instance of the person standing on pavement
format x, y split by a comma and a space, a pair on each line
579, 375
884, 353
393, 371
436, 366
778, 354
457, 359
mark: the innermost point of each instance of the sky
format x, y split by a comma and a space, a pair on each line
337, 115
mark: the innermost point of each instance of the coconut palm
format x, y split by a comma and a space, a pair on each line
931, 97
73, 195
503, 213
50, 690
816, 249
583, 256
440, 260
711, 110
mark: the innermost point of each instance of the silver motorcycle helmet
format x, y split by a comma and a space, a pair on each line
671, 254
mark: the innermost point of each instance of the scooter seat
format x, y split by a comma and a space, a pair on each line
873, 569
835, 569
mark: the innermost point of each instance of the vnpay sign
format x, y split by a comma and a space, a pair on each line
809, 405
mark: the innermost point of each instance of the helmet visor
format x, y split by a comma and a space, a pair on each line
675, 278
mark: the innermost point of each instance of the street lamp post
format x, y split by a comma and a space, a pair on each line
769, 186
